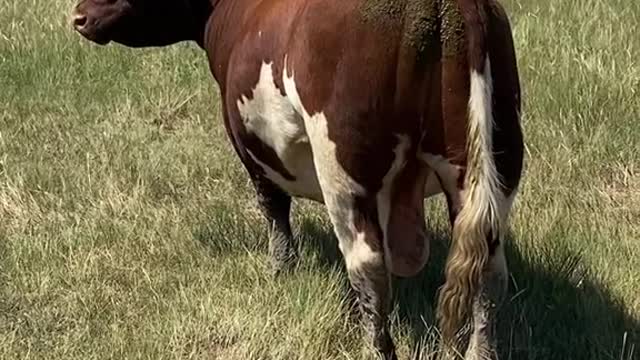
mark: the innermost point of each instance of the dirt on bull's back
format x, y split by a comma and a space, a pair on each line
452, 33
432, 27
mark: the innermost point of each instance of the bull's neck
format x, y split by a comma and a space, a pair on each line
201, 11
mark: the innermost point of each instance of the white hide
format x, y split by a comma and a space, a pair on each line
446, 171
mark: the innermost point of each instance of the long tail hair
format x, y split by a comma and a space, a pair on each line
478, 220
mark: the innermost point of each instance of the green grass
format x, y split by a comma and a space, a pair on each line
128, 228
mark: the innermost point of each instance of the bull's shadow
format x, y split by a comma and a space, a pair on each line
553, 309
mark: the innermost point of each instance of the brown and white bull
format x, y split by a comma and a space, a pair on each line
368, 106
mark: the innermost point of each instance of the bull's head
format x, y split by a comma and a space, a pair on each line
139, 23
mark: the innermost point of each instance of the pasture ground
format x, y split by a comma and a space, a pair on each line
128, 229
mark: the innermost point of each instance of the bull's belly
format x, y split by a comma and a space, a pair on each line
297, 158
299, 163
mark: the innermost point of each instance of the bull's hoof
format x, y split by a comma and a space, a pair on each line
389, 354
284, 264
382, 348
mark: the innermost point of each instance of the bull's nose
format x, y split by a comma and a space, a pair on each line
79, 21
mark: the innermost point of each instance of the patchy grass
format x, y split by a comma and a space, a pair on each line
128, 228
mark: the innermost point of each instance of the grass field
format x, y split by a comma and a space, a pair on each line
128, 229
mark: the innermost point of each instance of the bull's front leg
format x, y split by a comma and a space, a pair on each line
275, 205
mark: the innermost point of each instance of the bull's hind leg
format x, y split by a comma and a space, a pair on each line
275, 205
482, 341
493, 289
481, 315
360, 237
358, 217
356, 223
365, 259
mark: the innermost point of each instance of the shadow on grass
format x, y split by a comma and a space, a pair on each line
223, 230
554, 309
317, 240
557, 310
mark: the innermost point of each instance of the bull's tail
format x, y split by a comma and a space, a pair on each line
478, 222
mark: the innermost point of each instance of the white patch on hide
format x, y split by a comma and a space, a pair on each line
271, 117
446, 171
